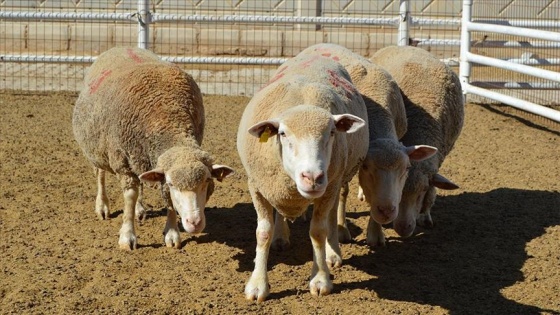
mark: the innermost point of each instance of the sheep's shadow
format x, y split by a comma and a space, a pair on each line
236, 227
476, 249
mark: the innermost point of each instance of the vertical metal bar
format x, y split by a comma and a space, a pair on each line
464, 64
404, 23
144, 19
309, 8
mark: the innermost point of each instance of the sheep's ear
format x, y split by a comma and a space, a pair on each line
219, 172
420, 152
348, 123
443, 183
268, 127
153, 176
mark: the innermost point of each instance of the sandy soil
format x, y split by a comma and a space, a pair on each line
495, 247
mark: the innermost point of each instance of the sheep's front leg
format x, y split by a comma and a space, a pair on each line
171, 235
375, 236
281, 237
343, 232
320, 283
101, 201
129, 185
257, 288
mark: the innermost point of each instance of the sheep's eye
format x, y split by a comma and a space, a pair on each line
332, 133
169, 185
282, 134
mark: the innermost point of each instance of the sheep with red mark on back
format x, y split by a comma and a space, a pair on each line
143, 120
300, 138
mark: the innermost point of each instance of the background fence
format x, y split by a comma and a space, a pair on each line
231, 47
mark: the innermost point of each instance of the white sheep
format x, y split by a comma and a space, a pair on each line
106, 63
383, 173
435, 112
314, 118
143, 119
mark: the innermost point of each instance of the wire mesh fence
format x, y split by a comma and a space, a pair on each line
212, 39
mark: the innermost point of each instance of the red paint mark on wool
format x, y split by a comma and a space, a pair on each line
277, 77
134, 56
309, 62
94, 85
338, 81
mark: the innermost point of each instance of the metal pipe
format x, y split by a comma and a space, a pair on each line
144, 20
517, 85
404, 23
17, 15
226, 60
515, 102
523, 23
510, 30
464, 65
536, 72
260, 19
46, 58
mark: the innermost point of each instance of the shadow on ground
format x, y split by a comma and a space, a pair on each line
476, 249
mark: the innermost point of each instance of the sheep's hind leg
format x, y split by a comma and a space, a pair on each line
343, 232
141, 211
127, 238
281, 237
101, 201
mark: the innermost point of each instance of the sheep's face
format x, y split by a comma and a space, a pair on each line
305, 135
189, 186
383, 175
418, 195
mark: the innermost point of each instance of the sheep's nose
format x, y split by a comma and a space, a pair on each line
313, 179
387, 210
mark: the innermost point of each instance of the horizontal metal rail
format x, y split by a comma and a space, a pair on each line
517, 85
256, 19
226, 60
515, 102
47, 58
536, 72
85, 16
522, 23
510, 30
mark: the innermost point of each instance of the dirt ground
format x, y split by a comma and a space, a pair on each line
495, 247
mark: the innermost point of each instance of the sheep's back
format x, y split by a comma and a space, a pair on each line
140, 111
385, 107
431, 91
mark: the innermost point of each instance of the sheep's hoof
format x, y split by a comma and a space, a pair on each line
172, 239
257, 290
141, 212
127, 241
376, 242
344, 235
320, 285
280, 245
425, 220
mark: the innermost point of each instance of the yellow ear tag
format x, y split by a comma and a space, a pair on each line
265, 135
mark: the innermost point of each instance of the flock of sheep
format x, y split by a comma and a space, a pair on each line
326, 115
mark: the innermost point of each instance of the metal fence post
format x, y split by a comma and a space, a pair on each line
464, 65
404, 23
144, 19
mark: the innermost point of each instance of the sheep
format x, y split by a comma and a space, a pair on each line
435, 113
104, 65
316, 121
383, 172
143, 120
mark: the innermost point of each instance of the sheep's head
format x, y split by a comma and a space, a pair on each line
419, 195
305, 135
383, 175
189, 175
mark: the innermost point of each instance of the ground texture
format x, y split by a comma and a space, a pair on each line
494, 249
